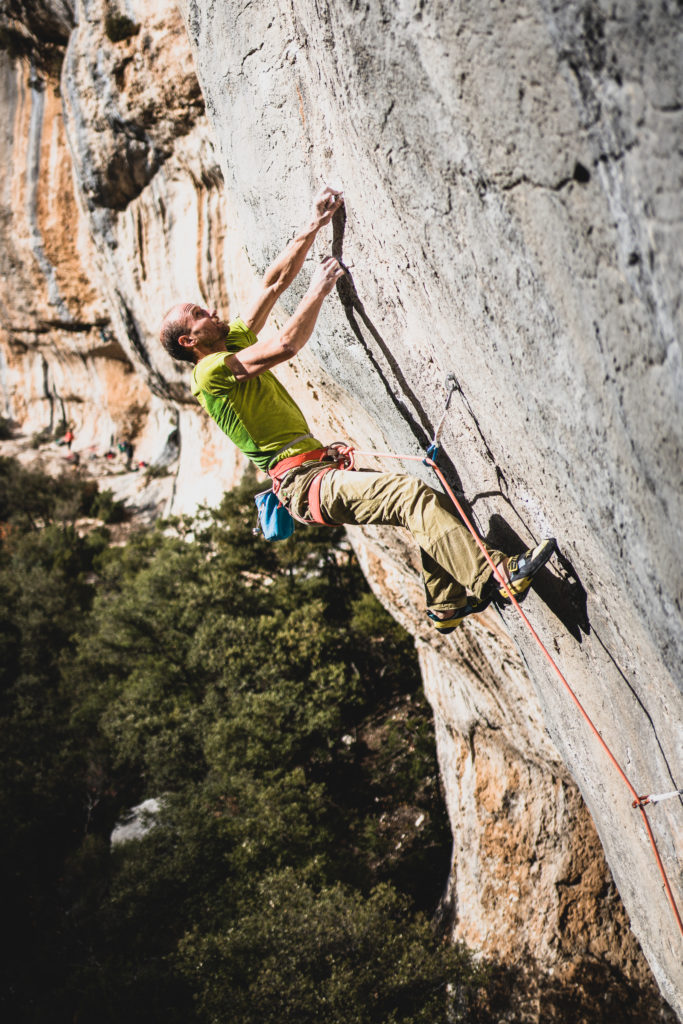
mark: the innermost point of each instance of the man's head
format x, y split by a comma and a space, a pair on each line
189, 332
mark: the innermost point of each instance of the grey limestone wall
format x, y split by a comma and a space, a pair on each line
512, 175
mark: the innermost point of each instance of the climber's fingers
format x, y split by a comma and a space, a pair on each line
326, 203
327, 274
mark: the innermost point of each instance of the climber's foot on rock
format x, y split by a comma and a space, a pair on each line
519, 570
447, 621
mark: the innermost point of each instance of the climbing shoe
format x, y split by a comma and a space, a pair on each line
473, 606
521, 569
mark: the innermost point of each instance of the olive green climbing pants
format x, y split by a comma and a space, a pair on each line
451, 559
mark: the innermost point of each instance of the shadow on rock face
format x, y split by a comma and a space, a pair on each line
561, 591
575, 991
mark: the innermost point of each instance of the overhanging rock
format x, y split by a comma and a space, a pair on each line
513, 199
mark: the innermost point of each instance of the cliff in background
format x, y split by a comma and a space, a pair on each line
513, 180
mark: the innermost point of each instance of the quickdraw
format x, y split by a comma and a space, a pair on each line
655, 798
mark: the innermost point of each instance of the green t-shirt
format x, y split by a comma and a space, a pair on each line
257, 414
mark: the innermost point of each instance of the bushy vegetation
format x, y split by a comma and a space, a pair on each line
108, 508
264, 697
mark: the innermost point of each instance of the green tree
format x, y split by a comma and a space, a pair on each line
274, 709
44, 800
301, 954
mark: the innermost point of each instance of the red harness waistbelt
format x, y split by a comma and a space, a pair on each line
283, 467
343, 459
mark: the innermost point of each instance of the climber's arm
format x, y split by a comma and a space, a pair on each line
284, 269
263, 355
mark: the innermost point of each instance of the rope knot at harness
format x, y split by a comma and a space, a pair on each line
344, 453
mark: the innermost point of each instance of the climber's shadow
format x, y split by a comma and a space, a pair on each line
366, 331
559, 588
562, 592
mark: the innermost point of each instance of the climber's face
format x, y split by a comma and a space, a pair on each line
201, 331
201, 325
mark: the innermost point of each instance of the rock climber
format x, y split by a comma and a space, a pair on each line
233, 382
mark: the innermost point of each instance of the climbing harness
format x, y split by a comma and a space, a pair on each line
638, 801
336, 456
343, 456
275, 522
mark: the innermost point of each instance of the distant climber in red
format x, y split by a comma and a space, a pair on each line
232, 380
67, 439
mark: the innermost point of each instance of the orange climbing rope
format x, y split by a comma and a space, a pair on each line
638, 801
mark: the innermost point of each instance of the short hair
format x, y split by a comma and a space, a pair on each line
171, 331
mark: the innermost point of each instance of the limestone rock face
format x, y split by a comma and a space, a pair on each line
513, 217
513, 205
111, 199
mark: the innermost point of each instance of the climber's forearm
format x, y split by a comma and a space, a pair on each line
264, 355
279, 276
285, 268
282, 272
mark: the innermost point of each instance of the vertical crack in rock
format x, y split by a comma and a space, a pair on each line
666, 760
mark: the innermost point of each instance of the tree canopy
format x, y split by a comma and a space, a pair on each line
273, 708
